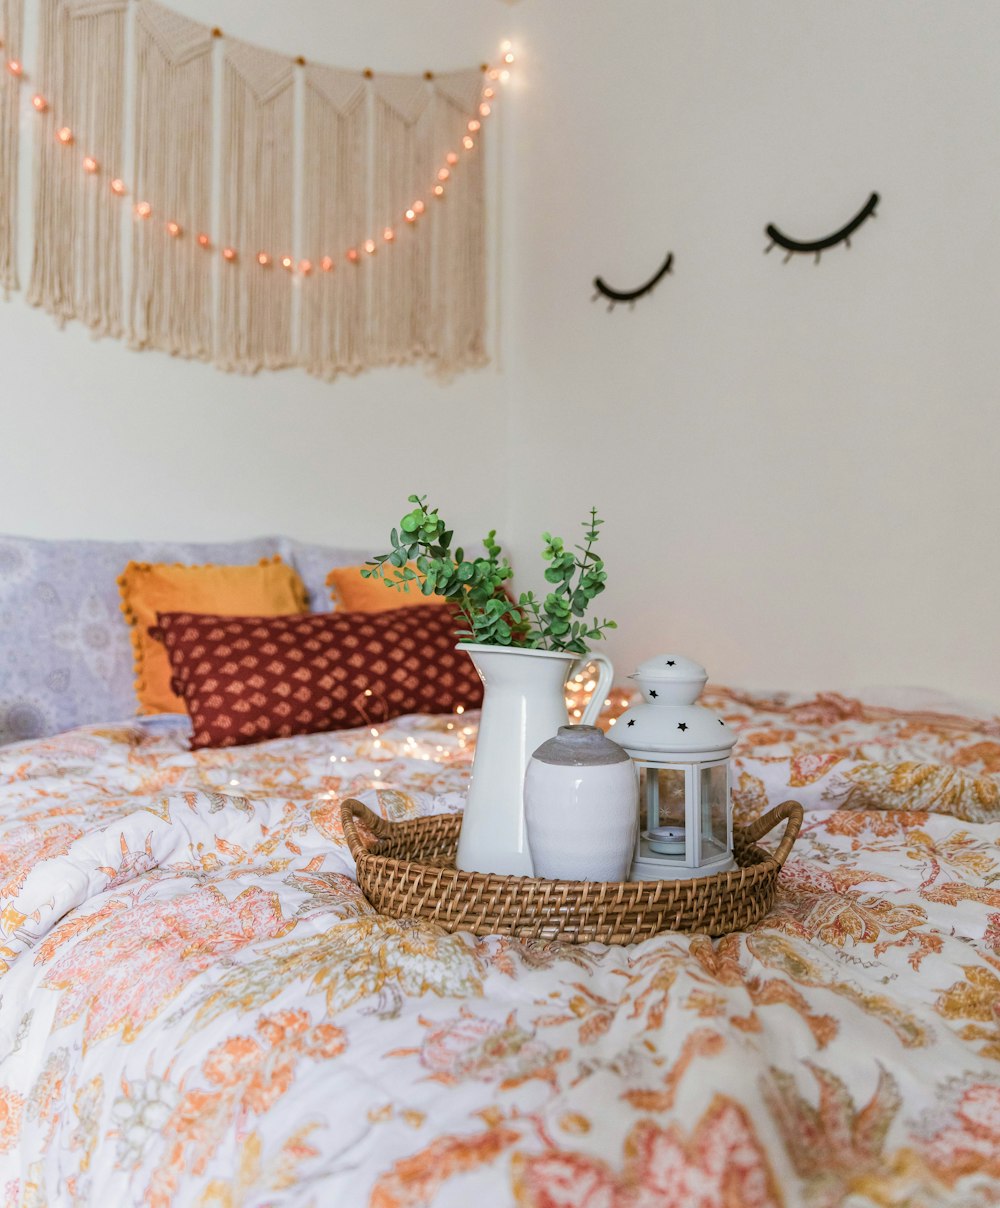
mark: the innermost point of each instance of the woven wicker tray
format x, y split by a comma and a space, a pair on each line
407, 870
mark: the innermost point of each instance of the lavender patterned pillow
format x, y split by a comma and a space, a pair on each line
65, 655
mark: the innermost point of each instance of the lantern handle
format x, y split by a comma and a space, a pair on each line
788, 811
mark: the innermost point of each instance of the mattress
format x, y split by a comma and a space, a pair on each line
199, 1007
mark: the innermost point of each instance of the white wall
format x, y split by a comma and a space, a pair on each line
796, 463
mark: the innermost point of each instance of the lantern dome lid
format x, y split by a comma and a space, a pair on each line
682, 730
669, 666
667, 721
670, 679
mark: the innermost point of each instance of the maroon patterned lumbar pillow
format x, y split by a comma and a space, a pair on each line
245, 679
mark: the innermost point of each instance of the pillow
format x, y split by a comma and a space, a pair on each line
269, 589
313, 563
245, 679
65, 656
353, 594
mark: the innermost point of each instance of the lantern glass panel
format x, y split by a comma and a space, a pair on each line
714, 810
661, 793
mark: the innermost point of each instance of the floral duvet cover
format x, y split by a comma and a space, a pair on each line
198, 1007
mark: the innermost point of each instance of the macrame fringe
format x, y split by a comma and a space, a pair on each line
458, 282
171, 295
76, 267
403, 165
258, 114
333, 327
11, 25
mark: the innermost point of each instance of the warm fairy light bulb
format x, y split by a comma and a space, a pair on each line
410, 215
263, 259
39, 102
173, 229
494, 74
485, 110
143, 209
460, 708
118, 187
468, 142
204, 241
508, 57
370, 246
326, 264
489, 93
474, 126
64, 135
451, 158
15, 67
229, 253
505, 45
89, 164
305, 267
443, 174
287, 263
352, 255
418, 207
504, 76
439, 190
388, 234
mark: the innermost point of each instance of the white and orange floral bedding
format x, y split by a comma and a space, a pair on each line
198, 1007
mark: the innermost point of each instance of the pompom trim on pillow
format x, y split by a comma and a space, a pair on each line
143, 686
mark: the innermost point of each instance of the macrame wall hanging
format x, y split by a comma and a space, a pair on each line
282, 213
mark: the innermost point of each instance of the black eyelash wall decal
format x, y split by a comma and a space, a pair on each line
631, 296
816, 247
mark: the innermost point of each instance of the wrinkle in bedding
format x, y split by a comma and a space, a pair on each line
197, 1005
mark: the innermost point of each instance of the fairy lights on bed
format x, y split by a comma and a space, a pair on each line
146, 209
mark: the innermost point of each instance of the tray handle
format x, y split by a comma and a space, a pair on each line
363, 839
788, 811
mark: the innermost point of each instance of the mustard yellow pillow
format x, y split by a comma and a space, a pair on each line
268, 590
351, 593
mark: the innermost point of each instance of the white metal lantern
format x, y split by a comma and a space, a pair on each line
682, 752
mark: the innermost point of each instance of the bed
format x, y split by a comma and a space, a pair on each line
199, 1007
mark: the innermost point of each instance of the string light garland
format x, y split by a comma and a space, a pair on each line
144, 209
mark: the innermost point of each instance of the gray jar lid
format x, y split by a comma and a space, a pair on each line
580, 747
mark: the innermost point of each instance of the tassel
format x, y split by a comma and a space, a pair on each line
11, 25
76, 266
404, 161
258, 111
171, 296
457, 339
333, 327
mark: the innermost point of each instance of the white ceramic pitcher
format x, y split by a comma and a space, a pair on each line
524, 704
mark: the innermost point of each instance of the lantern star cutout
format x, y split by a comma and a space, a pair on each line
671, 663
682, 725
632, 721
653, 694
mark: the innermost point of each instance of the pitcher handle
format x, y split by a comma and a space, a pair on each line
605, 676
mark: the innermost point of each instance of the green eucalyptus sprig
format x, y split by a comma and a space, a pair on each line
422, 555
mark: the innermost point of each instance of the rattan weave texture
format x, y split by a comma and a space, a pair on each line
407, 870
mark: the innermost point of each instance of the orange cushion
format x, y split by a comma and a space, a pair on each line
268, 590
351, 593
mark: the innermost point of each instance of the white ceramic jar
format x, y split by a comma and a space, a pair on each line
581, 807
